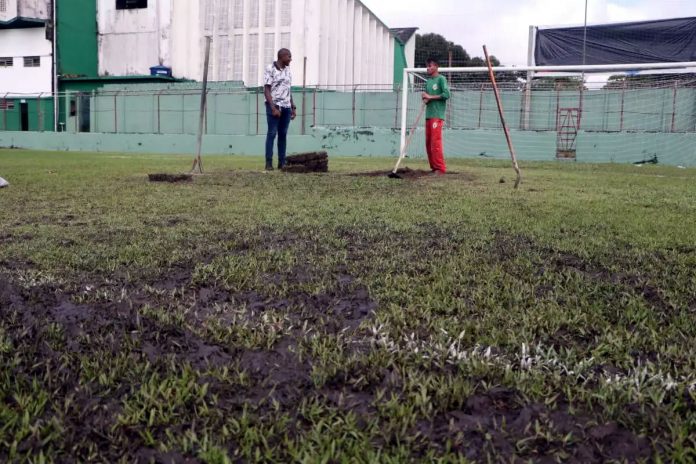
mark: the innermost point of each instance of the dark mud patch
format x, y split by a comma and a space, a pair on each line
415, 174
172, 178
499, 424
278, 374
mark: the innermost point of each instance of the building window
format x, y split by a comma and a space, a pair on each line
6, 104
268, 49
285, 40
223, 57
237, 58
285, 12
253, 74
270, 13
208, 15
238, 11
6, 61
224, 15
254, 14
130, 4
32, 61
3, 6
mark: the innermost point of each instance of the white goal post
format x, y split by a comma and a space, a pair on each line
599, 113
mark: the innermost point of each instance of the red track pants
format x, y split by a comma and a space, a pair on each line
433, 144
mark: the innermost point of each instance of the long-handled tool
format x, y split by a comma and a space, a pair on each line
515, 166
402, 155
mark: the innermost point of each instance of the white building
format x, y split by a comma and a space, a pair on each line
344, 43
26, 63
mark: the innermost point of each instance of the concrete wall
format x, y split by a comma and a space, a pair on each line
670, 149
8, 10
131, 41
40, 9
18, 79
345, 44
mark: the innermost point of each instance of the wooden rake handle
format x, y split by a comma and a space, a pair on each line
410, 137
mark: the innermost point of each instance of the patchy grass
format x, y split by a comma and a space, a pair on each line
322, 318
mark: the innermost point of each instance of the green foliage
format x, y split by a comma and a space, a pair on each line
438, 47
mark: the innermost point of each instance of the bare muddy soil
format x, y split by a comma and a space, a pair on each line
498, 422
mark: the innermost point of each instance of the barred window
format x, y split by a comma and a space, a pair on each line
254, 14
224, 15
285, 40
268, 48
238, 14
130, 4
237, 57
223, 57
270, 13
285, 12
32, 61
253, 74
3, 6
6, 62
6, 104
208, 15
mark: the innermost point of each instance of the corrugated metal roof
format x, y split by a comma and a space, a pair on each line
22, 23
403, 34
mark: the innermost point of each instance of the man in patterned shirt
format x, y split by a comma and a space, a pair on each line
280, 108
435, 97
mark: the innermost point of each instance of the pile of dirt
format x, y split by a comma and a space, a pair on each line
170, 178
307, 162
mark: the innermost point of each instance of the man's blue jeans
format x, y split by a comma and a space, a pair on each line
277, 126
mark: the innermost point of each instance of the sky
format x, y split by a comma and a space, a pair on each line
503, 25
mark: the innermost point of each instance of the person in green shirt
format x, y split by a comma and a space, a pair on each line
435, 97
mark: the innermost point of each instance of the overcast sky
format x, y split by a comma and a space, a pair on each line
503, 25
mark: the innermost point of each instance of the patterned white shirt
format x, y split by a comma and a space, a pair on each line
280, 81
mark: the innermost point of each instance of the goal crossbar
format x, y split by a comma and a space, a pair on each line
568, 68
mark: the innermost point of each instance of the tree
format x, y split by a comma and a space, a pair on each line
438, 47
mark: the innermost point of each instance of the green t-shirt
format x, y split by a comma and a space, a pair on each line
437, 86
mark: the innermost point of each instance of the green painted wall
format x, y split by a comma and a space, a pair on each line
670, 149
77, 38
399, 63
40, 115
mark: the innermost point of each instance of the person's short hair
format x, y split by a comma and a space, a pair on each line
283, 51
433, 60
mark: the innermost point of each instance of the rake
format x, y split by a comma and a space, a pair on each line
393, 174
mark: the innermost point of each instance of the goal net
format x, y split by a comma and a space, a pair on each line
628, 113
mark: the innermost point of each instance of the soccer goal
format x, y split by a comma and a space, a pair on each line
619, 113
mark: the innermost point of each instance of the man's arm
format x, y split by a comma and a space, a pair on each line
269, 100
292, 107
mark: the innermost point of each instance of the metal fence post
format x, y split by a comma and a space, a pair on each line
116, 112
354, 89
257, 110
674, 106
39, 109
